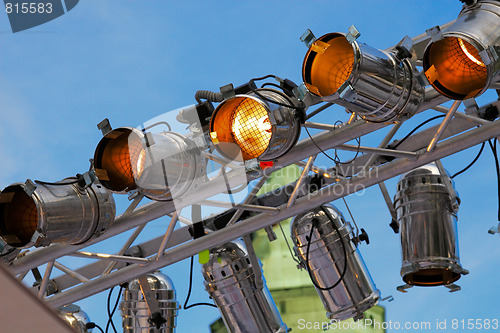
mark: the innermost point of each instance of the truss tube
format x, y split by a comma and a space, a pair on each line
71, 272
300, 181
475, 120
45, 281
379, 151
302, 204
248, 199
151, 211
443, 125
148, 248
383, 144
168, 234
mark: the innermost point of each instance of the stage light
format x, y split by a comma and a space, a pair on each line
135, 308
75, 317
257, 125
161, 166
426, 212
230, 280
325, 247
376, 85
462, 60
42, 213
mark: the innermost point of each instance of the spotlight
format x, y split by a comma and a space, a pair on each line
75, 317
159, 165
42, 213
462, 60
262, 124
376, 85
426, 213
325, 245
230, 280
135, 305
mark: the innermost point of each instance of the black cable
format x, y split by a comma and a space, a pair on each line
189, 290
256, 92
209, 96
99, 327
157, 124
309, 241
111, 313
62, 183
286, 91
471, 163
416, 128
335, 160
92, 325
288, 245
497, 166
8, 252
108, 308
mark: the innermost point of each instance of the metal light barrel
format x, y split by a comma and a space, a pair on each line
162, 166
372, 83
230, 281
356, 292
462, 60
54, 213
75, 317
134, 309
428, 228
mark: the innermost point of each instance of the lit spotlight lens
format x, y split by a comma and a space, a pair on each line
120, 159
454, 67
19, 218
262, 125
328, 64
242, 123
250, 127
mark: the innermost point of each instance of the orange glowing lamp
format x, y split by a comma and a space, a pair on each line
161, 165
454, 67
254, 126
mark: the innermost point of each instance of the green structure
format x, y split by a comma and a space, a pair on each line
294, 294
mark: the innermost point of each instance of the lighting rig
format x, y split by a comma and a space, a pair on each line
254, 131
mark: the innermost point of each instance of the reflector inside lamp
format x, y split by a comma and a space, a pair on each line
454, 67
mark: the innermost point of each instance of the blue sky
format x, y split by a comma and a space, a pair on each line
131, 61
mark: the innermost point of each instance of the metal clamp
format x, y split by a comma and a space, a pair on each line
453, 287
259, 282
227, 91
155, 317
104, 126
404, 288
308, 38
434, 33
30, 187
352, 34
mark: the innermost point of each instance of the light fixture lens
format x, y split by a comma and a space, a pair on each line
120, 159
20, 218
250, 127
328, 64
261, 125
241, 125
454, 67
